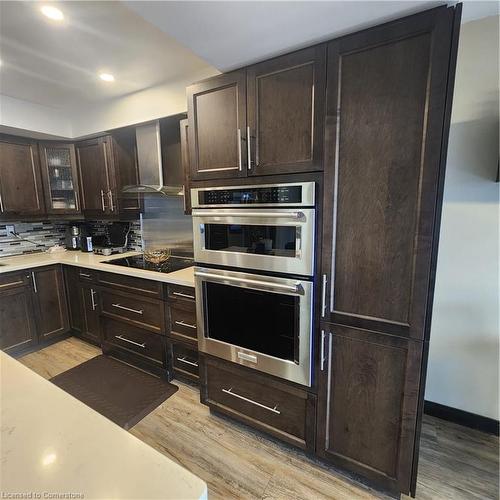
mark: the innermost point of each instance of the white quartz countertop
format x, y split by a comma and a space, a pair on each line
51, 443
92, 261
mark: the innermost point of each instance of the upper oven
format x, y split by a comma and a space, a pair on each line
266, 227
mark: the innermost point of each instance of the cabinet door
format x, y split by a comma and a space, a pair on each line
386, 97
90, 306
285, 110
60, 178
50, 301
21, 190
75, 303
217, 127
184, 127
368, 402
93, 157
17, 327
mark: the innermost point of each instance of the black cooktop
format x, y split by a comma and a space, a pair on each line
138, 262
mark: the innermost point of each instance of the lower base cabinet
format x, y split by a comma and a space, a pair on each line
367, 405
33, 308
183, 360
17, 325
280, 409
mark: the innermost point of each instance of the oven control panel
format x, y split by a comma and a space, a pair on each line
283, 194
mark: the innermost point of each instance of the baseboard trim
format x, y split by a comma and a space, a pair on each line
471, 420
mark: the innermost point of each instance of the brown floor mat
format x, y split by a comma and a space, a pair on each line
118, 391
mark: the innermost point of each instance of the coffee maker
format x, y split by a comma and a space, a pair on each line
72, 240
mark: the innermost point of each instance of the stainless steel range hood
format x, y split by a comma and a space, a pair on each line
149, 159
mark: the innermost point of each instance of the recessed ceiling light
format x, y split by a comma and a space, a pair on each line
52, 13
107, 77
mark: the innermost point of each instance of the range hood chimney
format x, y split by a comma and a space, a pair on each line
149, 159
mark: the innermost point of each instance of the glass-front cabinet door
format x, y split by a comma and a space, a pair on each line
60, 178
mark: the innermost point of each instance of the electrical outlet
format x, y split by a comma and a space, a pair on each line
11, 229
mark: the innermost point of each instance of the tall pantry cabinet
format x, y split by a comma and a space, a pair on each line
387, 116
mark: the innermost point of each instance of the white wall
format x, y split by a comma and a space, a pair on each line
20, 114
464, 355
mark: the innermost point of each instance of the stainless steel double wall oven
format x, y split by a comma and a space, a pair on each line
254, 250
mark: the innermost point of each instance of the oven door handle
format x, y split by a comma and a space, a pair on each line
273, 215
296, 289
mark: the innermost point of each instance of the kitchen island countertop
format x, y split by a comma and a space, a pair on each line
52, 444
183, 277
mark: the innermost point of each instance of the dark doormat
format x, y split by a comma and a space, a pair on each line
118, 391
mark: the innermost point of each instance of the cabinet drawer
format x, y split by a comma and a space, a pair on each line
264, 403
183, 293
9, 281
147, 313
184, 360
86, 275
148, 288
134, 339
183, 324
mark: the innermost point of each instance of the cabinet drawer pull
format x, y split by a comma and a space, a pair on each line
239, 149
121, 337
92, 295
12, 283
260, 405
249, 150
181, 323
137, 311
34, 282
323, 296
187, 362
85, 275
180, 294
102, 201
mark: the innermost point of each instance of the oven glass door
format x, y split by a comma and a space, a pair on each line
277, 241
258, 321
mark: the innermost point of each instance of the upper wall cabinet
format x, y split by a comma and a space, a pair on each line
21, 191
60, 178
265, 119
285, 113
105, 165
217, 127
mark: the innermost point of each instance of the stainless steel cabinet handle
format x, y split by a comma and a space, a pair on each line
111, 204
121, 337
322, 354
84, 275
249, 150
323, 296
12, 283
92, 294
102, 201
297, 288
181, 323
34, 282
260, 405
274, 215
239, 151
119, 306
1, 203
180, 294
187, 362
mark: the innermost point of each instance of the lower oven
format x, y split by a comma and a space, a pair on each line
262, 322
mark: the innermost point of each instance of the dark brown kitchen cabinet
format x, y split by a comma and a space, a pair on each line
217, 127
368, 404
21, 191
388, 104
60, 178
387, 90
83, 301
17, 325
285, 113
51, 309
105, 165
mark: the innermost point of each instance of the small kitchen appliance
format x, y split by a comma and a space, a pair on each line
72, 240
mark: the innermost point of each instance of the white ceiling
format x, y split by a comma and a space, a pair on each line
57, 64
156, 48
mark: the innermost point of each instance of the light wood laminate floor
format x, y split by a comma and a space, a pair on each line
236, 462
